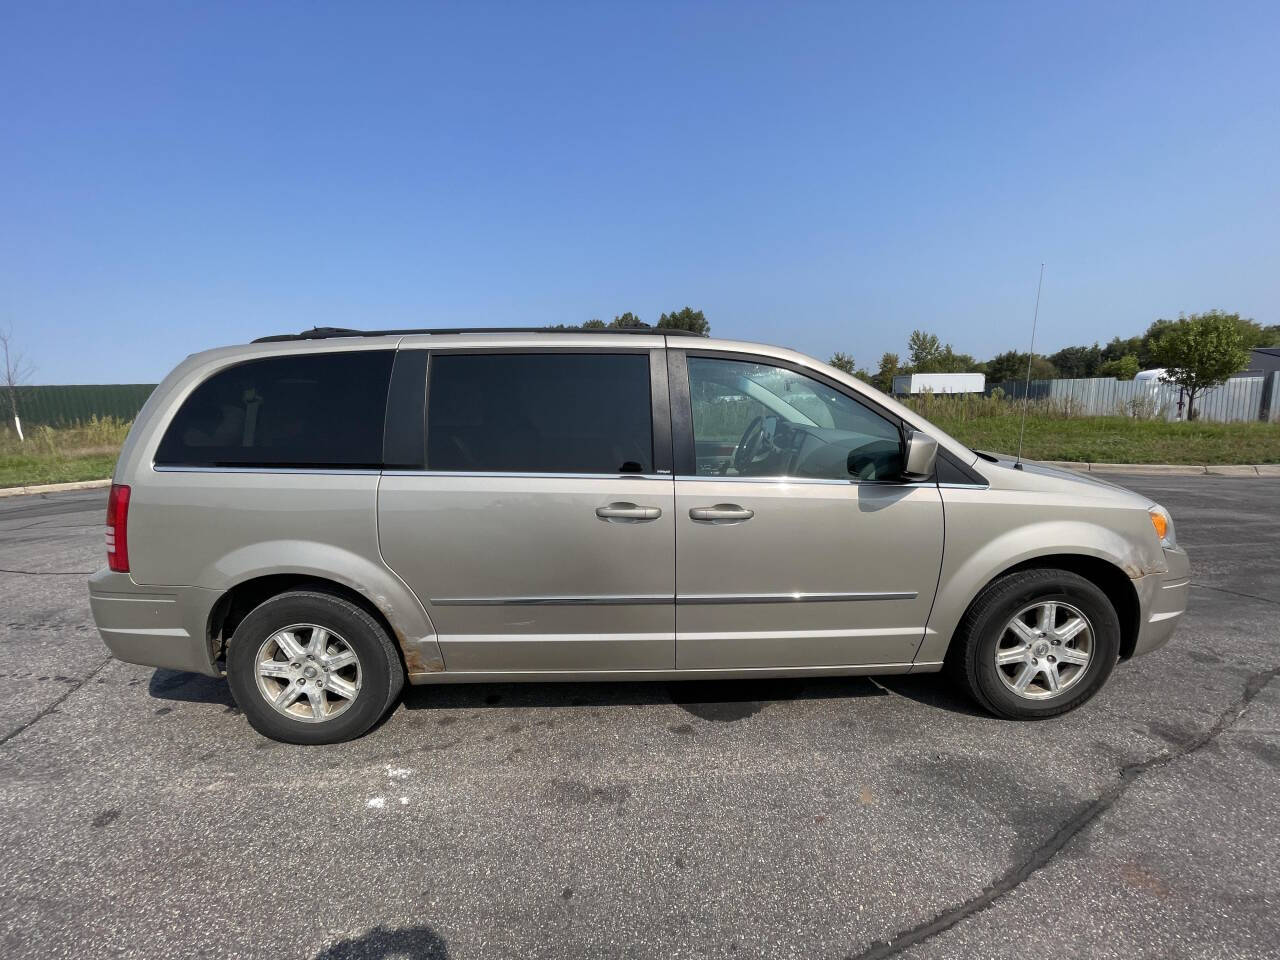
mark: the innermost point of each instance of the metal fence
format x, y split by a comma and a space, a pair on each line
62, 406
1244, 398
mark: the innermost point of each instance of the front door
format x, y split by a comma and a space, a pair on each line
540, 535
796, 546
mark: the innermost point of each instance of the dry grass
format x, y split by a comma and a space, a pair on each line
86, 451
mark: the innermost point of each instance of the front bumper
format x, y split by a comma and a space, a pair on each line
1162, 598
154, 626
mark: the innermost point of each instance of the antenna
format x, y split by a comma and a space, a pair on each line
1026, 391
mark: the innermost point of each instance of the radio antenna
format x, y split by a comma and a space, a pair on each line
1026, 391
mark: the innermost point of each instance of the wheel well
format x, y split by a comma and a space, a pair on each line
1108, 578
234, 605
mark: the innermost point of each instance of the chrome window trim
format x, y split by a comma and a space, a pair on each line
316, 471
517, 475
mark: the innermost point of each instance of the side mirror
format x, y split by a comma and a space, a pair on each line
919, 457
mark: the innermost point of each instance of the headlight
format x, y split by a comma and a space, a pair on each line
1163, 523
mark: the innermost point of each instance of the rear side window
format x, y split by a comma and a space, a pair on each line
304, 410
539, 413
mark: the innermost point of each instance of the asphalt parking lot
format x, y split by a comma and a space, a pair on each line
824, 818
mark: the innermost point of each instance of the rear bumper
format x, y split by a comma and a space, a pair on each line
1162, 599
153, 626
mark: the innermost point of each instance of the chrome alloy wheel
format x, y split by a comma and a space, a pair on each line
308, 673
1044, 650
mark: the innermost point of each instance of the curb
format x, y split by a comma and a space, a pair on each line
53, 487
1172, 469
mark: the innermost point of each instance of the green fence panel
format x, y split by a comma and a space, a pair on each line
62, 406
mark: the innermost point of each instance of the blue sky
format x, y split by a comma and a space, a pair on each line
826, 176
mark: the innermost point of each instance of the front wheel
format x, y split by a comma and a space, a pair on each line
1036, 644
310, 667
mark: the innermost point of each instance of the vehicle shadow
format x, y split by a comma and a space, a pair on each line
189, 688
715, 700
933, 690
404, 943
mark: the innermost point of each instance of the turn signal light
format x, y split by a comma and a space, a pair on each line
118, 528
1160, 523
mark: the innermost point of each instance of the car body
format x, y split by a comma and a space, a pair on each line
532, 505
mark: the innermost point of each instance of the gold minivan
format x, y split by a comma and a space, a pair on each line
323, 516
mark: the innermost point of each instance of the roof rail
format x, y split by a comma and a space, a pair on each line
326, 333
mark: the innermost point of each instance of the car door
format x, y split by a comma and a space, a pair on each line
796, 543
538, 528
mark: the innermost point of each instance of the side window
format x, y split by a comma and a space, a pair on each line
757, 420
302, 410
539, 413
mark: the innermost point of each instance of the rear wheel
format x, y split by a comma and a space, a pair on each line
1036, 644
310, 667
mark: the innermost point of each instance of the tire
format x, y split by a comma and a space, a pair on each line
296, 648
1037, 658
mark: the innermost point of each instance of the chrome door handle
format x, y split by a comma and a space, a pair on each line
628, 513
721, 513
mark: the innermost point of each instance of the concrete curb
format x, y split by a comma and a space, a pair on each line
53, 487
1173, 469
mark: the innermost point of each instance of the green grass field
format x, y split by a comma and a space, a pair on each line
83, 452
987, 423
88, 451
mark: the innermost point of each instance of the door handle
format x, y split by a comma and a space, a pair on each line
721, 513
628, 513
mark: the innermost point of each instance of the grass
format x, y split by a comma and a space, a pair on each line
86, 451
990, 423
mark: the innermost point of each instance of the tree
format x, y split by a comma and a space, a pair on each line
883, 379
1077, 361
626, 321
16, 371
929, 355
1012, 365
686, 319
1122, 368
923, 349
1200, 352
842, 361
595, 323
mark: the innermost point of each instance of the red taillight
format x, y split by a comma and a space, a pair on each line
118, 528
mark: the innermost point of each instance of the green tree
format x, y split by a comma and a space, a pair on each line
1077, 361
883, 379
1122, 368
1200, 352
626, 321
595, 323
686, 319
1012, 365
842, 361
924, 350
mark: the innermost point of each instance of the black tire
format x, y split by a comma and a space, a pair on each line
971, 659
381, 673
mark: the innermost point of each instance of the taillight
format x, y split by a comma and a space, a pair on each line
118, 528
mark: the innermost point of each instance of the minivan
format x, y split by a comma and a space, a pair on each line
324, 516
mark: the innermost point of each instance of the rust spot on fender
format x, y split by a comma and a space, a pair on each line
415, 660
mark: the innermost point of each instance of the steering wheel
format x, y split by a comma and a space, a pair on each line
745, 452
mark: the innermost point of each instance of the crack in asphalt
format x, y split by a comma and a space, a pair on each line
48, 709
1236, 593
50, 573
1073, 827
